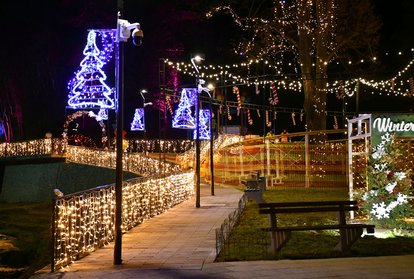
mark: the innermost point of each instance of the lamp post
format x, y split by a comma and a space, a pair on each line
197, 59
211, 147
144, 91
123, 33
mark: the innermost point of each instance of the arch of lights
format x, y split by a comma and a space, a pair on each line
81, 113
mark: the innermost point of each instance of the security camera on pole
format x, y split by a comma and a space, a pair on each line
123, 33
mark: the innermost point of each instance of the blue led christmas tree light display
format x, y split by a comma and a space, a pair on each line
205, 131
138, 123
1, 129
88, 88
182, 117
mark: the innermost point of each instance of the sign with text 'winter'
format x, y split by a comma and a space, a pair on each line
402, 125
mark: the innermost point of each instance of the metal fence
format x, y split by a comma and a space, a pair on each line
223, 232
251, 248
84, 221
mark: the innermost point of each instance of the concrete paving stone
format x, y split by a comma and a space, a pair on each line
70, 275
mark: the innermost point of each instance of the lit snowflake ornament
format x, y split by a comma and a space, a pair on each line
380, 211
402, 198
400, 175
381, 167
379, 151
390, 186
386, 137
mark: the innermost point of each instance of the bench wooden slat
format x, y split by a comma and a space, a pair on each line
306, 209
349, 233
320, 203
318, 228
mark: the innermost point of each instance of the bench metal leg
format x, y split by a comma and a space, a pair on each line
278, 240
348, 237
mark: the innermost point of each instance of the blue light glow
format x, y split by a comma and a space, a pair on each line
205, 131
103, 114
182, 118
138, 123
1, 129
88, 88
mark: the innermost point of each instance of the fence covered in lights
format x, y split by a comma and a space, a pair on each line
32, 147
285, 164
83, 222
156, 145
133, 162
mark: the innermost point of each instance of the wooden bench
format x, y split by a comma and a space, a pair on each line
349, 233
255, 191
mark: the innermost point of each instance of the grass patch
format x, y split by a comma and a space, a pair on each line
248, 242
29, 223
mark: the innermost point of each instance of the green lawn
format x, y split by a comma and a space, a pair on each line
248, 242
29, 223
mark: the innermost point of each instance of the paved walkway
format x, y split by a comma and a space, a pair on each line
180, 243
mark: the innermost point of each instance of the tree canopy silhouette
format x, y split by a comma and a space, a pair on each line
313, 34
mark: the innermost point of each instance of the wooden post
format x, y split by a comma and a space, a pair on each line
306, 160
268, 158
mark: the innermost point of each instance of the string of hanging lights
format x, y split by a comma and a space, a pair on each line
398, 85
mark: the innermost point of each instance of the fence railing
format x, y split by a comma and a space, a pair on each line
223, 232
285, 164
133, 162
32, 147
157, 146
84, 221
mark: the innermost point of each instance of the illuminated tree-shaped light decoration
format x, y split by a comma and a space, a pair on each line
138, 123
182, 117
89, 88
103, 113
205, 132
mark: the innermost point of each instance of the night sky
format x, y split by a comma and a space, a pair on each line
42, 44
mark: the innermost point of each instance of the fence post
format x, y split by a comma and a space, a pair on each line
307, 160
241, 159
53, 236
268, 158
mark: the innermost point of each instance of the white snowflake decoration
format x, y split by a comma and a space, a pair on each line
386, 137
369, 194
379, 151
380, 210
390, 186
380, 167
392, 205
402, 198
400, 175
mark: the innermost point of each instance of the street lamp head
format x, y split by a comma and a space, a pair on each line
198, 58
144, 91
